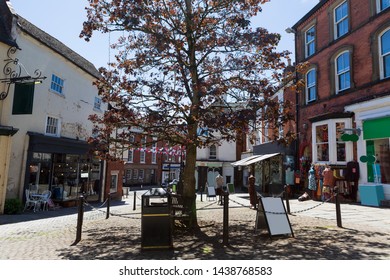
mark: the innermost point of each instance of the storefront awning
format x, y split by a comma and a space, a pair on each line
253, 159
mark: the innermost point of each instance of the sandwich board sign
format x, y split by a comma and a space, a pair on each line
271, 215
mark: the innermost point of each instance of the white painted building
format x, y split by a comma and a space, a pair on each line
48, 95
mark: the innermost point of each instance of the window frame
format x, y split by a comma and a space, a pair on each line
381, 56
130, 155
343, 72
379, 8
313, 85
57, 127
213, 152
97, 104
332, 141
309, 43
336, 22
60, 85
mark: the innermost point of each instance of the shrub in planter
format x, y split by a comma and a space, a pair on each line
13, 206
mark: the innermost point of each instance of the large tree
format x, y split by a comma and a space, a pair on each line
187, 65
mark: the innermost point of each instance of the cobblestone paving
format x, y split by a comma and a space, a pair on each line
364, 235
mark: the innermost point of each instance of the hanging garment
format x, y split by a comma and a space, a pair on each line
312, 180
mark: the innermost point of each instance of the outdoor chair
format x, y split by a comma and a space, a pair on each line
31, 203
44, 199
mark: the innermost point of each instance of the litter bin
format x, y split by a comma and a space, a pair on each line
156, 225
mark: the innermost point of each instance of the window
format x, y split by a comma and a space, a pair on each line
57, 84
114, 181
341, 22
311, 86
23, 99
135, 174
328, 146
384, 54
382, 5
154, 153
142, 150
141, 173
52, 126
310, 41
343, 74
213, 152
128, 176
130, 155
97, 103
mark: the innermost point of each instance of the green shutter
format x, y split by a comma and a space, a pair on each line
377, 128
23, 99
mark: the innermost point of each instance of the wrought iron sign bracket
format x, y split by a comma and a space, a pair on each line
13, 71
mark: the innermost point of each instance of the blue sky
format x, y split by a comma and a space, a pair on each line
63, 20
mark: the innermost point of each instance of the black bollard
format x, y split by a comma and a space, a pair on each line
135, 200
338, 210
225, 218
286, 197
80, 216
108, 205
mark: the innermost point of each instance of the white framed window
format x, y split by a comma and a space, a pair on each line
343, 71
130, 155
213, 152
384, 54
341, 20
57, 84
311, 85
327, 144
142, 154
310, 46
97, 104
382, 5
52, 126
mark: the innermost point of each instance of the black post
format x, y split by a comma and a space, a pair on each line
80, 216
135, 200
108, 205
225, 218
338, 210
286, 197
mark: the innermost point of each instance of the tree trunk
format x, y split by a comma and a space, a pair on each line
189, 195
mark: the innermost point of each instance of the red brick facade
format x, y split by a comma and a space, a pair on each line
361, 42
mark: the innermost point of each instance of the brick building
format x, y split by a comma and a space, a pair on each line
344, 114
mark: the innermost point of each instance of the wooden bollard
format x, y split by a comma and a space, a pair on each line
338, 209
135, 200
225, 196
108, 205
80, 216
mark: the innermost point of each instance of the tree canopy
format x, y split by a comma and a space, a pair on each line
187, 65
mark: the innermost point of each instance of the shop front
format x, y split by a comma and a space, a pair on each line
372, 120
63, 166
272, 165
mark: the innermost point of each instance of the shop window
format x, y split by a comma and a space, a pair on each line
341, 21
311, 86
379, 171
23, 99
327, 144
384, 54
310, 41
57, 84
